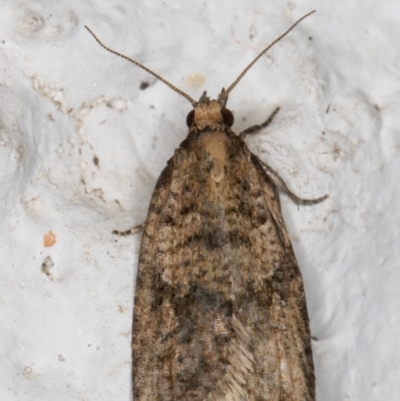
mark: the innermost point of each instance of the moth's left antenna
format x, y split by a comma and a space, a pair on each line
174, 88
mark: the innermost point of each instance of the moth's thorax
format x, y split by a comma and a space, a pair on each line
213, 150
208, 114
214, 144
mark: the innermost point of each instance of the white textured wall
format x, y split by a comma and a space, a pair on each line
81, 147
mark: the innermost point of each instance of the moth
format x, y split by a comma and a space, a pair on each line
220, 312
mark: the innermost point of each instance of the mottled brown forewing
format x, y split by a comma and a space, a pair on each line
220, 312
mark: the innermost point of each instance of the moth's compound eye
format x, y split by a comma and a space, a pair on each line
190, 118
228, 117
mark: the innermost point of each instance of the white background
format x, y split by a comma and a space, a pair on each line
81, 147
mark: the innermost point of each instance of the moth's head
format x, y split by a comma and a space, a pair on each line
208, 113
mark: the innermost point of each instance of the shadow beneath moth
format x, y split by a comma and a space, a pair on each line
220, 311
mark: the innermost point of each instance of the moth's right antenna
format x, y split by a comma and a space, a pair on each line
225, 93
186, 96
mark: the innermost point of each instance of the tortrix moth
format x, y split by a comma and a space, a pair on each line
220, 311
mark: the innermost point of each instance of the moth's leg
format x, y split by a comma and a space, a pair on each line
273, 175
256, 128
132, 231
281, 185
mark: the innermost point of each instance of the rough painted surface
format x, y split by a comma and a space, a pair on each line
82, 145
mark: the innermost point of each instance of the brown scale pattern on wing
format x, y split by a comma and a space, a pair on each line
220, 311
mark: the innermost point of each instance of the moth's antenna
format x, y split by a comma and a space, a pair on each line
226, 93
193, 102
